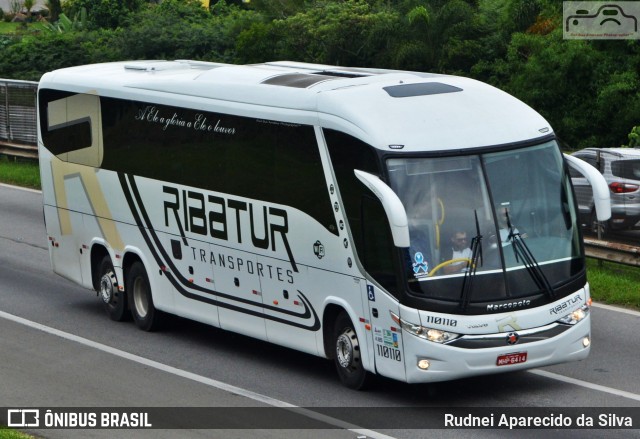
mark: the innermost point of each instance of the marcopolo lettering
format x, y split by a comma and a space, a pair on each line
210, 215
509, 305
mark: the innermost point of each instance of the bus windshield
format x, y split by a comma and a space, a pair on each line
505, 219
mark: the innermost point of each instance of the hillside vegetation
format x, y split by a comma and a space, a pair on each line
588, 90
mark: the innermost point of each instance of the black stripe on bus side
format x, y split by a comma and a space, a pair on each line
182, 279
179, 282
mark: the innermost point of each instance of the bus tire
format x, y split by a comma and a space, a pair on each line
347, 356
113, 299
144, 313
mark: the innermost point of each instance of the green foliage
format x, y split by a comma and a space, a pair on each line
614, 284
189, 11
634, 138
55, 9
104, 13
34, 56
344, 33
179, 29
278, 9
588, 90
64, 24
24, 173
589, 95
28, 5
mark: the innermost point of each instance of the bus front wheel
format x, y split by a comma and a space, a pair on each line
347, 355
113, 299
144, 313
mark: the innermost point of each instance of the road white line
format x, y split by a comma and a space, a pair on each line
588, 385
198, 378
36, 191
617, 309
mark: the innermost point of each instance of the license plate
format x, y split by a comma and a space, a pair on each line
516, 358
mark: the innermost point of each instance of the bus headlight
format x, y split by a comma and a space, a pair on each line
575, 316
434, 335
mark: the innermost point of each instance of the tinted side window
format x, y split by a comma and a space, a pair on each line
592, 160
365, 214
348, 153
259, 159
626, 169
70, 126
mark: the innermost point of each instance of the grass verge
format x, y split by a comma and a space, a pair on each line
614, 284
7, 433
19, 28
19, 172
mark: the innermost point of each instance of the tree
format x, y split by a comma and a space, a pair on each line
349, 32
108, 14
55, 9
437, 36
33, 56
634, 138
64, 24
174, 29
28, 5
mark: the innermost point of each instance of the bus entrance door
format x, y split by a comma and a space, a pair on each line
387, 335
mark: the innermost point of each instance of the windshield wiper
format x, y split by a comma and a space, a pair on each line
522, 252
476, 256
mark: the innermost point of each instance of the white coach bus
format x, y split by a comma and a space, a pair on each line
416, 226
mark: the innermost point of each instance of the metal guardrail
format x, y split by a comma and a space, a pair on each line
18, 136
612, 252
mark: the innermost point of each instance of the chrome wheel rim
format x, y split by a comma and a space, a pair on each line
347, 349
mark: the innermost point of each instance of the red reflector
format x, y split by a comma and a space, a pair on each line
622, 188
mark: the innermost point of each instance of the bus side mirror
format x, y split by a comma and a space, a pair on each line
601, 197
393, 207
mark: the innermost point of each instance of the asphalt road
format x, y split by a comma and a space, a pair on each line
59, 349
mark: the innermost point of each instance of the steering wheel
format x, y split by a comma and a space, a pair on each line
449, 262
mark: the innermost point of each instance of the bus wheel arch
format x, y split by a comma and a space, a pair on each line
329, 317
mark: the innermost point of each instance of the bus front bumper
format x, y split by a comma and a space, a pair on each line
448, 362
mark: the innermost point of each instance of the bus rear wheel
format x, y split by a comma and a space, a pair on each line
143, 311
113, 299
347, 355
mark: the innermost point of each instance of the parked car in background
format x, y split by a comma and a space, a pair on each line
621, 169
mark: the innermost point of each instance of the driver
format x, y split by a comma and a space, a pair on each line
459, 250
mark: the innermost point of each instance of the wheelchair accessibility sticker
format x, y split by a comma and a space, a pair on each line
601, 20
